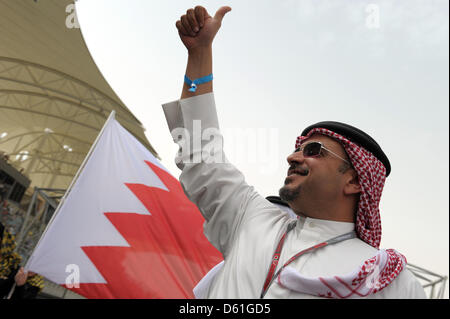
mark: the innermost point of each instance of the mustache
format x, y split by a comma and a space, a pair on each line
296, 168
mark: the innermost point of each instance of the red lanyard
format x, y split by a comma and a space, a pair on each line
277, 253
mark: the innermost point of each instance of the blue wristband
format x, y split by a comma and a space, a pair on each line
193, 84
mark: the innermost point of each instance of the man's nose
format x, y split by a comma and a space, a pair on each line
296, 157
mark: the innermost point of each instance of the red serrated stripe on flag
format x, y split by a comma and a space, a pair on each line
168, 252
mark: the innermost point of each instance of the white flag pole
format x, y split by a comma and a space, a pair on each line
111, 117
11, 291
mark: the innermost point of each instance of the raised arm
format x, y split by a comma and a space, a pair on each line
217, 187
197, 30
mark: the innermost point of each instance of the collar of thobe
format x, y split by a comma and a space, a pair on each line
324, 228
272, 273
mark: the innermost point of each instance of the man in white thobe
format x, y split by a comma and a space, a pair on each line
325, 187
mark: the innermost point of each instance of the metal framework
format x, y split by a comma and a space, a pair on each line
433, 283
53, 98
42, 205
32, 96
55, 84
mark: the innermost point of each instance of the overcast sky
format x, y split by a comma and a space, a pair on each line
282, 65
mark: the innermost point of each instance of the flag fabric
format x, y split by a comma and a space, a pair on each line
125, 229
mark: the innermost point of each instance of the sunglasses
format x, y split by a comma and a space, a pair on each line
314, 149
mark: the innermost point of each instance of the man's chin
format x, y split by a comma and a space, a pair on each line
289, 193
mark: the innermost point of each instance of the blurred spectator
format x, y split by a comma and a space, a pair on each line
2, 228
29, 284
5, 157
3, 192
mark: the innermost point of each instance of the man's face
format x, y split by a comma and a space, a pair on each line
315, 183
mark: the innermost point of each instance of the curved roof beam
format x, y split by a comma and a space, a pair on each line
64, 152
53, 173
50, 115
61, 134
69, 77
100, 114
104, 110
57, 98
43, 133
50, 159
45, 161
132, 122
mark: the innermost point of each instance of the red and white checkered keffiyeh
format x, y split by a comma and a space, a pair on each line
370, 277
372, 175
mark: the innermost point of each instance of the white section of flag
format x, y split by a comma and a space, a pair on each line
116, 159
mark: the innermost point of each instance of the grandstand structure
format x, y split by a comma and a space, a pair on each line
53, 103
53, 98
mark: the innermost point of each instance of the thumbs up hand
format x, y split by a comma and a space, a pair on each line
197, 28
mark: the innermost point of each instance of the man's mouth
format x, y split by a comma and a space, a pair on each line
298, 171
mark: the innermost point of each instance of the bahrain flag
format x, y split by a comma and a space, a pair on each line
125, 229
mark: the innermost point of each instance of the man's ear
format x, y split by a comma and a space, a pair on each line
352, 183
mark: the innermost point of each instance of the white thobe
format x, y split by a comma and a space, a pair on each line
246, 228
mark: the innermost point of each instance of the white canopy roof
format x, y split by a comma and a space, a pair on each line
53, 98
